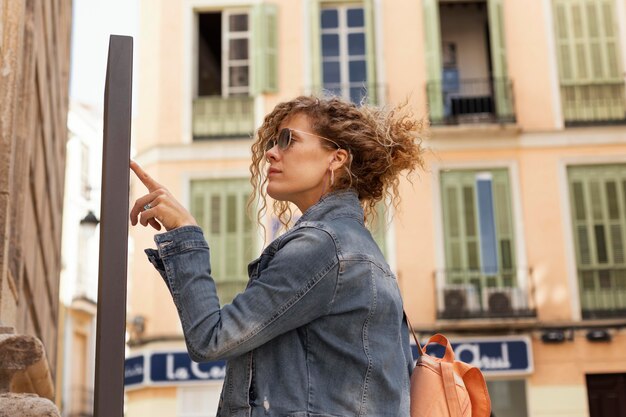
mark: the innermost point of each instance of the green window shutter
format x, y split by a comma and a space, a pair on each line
598, 204
265, 41
432, 36
219, 207
504, 228
498, 58
379, 228
370, 45
462, 232
316, 47
592, 87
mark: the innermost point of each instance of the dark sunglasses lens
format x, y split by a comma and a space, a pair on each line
284, 138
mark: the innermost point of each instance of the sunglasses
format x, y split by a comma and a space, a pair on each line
284, 139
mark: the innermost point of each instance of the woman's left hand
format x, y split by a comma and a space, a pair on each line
158, 207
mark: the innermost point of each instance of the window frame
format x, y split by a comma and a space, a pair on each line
371, 62
227, 63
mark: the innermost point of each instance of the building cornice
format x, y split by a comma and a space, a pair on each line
460, 138
218, 150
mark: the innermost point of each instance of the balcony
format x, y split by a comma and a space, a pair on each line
475, 295
602, 293
597, 103
373, 94
223, 117
481, 100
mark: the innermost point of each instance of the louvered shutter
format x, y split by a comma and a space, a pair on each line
265, 41
370, 49
592, 87
598, 206
498, 58
219, 207
379, 228
432, 56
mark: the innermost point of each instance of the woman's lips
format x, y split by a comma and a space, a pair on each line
273, 171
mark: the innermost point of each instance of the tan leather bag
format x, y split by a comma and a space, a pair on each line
446, 387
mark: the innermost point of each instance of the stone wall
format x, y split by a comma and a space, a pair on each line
34, 83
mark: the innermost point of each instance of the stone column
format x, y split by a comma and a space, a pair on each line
26, 386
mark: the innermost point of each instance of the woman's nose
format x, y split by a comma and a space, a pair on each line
272, 153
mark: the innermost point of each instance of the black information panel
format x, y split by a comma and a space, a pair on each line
111, 319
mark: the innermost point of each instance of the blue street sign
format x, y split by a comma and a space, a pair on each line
494, 356
169, 367
178, 367
134, 370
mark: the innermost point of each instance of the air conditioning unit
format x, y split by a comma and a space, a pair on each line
459, 300
503, 300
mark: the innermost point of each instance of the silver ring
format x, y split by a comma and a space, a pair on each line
147, 207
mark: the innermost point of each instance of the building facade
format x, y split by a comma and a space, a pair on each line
34, 57
79, 274
511, 241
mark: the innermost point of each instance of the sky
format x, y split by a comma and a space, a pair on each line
93, 21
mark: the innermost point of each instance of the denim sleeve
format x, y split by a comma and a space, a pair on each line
296, 287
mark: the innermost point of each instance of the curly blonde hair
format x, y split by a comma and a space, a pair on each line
381, 142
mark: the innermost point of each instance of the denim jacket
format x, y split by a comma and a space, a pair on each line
319, 330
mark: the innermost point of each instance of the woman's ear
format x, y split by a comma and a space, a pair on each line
340, 156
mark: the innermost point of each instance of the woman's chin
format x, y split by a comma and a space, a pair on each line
275, 193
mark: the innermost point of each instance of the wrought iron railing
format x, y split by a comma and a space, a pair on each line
602, 292
221, 117
593, 103
479, 100
80, 404
359, 92
467, 294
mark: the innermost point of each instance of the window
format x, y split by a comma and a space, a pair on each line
598, 205
508, 398
237, 60
346, 54
466, 63
232, 46
219, 207
592, 85
224, 54
478, 228
344, 69
200, 401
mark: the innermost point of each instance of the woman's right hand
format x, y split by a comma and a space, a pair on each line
158, 207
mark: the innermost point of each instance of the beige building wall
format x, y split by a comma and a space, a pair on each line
535, 149
34, 52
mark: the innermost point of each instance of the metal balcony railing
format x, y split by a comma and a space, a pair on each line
602, 292
594, 103
80, 403
222, 117
474, 294
358, 92
481, 100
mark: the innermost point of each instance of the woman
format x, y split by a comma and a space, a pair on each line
319, 330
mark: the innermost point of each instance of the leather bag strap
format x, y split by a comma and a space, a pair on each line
449, 385
443, 341
420, 351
